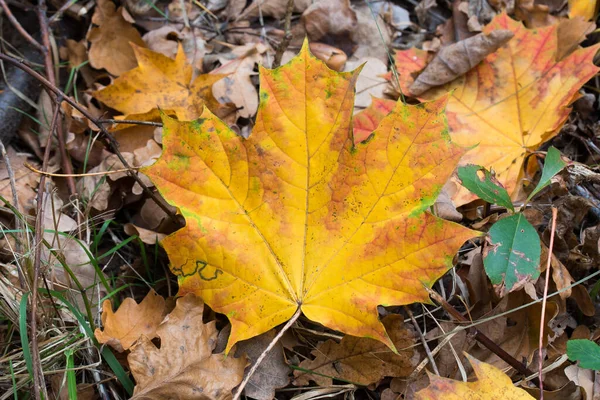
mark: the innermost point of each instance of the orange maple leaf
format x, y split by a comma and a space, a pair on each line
296, 217
159, 81
516, 99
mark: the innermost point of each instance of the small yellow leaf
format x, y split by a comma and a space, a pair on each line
159, 81
491, 383
124, 327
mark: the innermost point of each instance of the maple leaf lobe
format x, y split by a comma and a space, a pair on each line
298, 215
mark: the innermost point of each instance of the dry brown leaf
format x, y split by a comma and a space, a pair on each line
334, 18
184, 367
457, 59
361, 360
268, 8
121, 329
521, 334
570, 33
110, 47
272, 373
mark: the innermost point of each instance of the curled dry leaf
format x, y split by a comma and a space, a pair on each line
491, 383
332, 56
361, 360
110, 48
237, 87
163, 82
184, 367
457, 59
121, 329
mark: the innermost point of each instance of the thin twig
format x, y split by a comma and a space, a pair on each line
544, 298
49, 66
262, 356
423, 341
113, 144
129, 121
38, 378
103, 173
20, 28
287, 37
61, 10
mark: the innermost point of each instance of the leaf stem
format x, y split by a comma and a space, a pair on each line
259, 360
544, 298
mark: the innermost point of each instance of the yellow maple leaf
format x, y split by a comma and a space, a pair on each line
298, 217
491, 383
159, 81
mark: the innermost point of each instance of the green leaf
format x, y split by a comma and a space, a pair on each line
585, 351
552, 166
514, 252
482, 183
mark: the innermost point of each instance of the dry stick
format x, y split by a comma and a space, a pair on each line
483, 339
49, 66
129, 121
423, 341
262, 356
37, 261
287, 37
544, 298
20, 28
113, 144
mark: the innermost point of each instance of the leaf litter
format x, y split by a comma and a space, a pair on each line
520, 106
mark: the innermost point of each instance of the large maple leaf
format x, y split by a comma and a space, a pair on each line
513, 101
298, 216
159, 81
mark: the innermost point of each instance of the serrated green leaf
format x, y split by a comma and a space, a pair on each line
585, 351
482, 183
514, 252
552, 166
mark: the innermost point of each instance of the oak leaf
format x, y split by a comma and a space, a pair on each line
513, 101
159, 81
361, 360
491, 383
110, 40
296, 216
184, 367
121, 329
